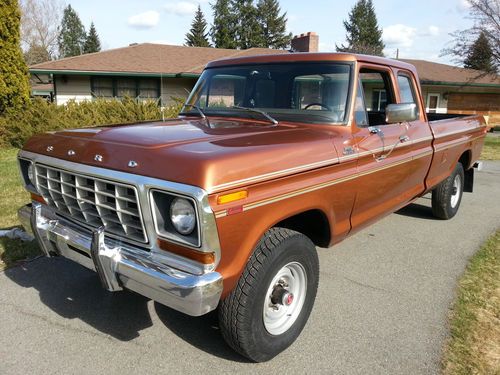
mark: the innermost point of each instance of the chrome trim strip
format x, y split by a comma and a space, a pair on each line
209, 235
249, 206
457, 143
306, 167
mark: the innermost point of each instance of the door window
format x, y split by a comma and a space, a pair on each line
377, 92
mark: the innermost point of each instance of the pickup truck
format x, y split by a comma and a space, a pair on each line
225, 206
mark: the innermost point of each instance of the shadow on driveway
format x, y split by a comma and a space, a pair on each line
74, 292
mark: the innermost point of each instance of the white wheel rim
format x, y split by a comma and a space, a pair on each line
457, 187
280, 316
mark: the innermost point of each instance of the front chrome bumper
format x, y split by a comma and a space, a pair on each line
121, 265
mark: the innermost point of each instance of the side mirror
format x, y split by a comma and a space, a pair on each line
400, 112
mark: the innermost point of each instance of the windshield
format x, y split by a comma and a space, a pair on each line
303, 92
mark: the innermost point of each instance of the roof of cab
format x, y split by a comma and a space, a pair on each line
310, 57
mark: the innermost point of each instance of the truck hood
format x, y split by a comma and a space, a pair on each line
230, 153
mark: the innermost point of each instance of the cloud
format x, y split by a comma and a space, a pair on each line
145, 20
181, 8
433, 30
399, 36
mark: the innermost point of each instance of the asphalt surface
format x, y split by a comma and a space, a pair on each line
382, 307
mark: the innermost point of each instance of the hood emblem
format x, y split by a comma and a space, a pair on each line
98, 158
50, 148
132, 164
71, 152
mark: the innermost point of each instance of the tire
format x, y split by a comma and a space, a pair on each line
447, 196
259, 319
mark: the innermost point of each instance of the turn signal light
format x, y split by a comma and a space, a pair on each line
231, 197
38, 198
198, 256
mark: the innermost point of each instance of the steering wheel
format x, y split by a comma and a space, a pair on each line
320, 104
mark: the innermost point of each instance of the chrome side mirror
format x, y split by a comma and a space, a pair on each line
400, 113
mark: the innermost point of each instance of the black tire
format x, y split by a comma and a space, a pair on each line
241, 313
445, 202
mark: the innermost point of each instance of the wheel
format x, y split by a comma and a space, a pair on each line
446, 197
271, 303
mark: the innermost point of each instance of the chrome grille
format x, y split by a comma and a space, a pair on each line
92, 201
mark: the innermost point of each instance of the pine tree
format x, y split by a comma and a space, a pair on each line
480, 55
223, 31
362, 31
14, 81
248, 30
198, 36
272, 25
92, 42
72, 34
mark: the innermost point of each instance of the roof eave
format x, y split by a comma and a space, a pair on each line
111, 73
458, 84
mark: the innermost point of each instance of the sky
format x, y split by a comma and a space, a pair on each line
419, 29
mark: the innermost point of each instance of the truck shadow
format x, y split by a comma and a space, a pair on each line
202, 332
418, 211
74, 292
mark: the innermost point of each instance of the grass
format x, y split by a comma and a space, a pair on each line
474, 346
491, 149
13, 197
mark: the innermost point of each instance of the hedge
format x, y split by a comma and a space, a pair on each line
41, 116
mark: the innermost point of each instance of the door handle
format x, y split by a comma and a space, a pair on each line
375, 130
404, 138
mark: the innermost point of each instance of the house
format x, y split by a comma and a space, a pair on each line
165, 72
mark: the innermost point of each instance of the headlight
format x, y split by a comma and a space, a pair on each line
183, 216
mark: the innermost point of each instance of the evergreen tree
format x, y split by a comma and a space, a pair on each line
198, 36
223, 31
362, 31
480, 55
72, 34
92, 42
247, 28
14, 82
272, 25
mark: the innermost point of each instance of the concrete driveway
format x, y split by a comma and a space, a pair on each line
382, 307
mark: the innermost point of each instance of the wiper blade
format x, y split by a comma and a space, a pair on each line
265, 114
203, 116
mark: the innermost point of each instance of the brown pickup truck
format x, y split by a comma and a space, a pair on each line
223, 207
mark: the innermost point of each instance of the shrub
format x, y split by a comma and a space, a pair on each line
41, 116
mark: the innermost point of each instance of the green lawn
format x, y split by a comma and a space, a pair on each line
491, 150
474, 346
13, 197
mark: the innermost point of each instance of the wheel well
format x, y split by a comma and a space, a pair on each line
313, 224
465, 159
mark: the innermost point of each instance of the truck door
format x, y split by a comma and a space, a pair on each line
382, 182
419, 133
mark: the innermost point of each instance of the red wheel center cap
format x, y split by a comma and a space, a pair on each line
288, 299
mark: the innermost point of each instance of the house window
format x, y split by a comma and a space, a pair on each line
149, 89
126, 87
102, 87
138, 88
432, 103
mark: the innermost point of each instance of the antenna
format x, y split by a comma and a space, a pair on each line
162, 108
397, 54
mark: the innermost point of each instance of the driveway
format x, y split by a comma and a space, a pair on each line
382, 307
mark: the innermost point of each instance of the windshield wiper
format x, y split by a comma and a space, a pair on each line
265, 114
203, 116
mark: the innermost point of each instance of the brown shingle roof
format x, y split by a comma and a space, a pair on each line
434, 72
149, 58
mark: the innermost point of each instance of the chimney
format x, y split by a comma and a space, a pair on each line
306, 42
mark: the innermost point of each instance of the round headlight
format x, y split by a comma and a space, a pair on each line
182, 216
31, 175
